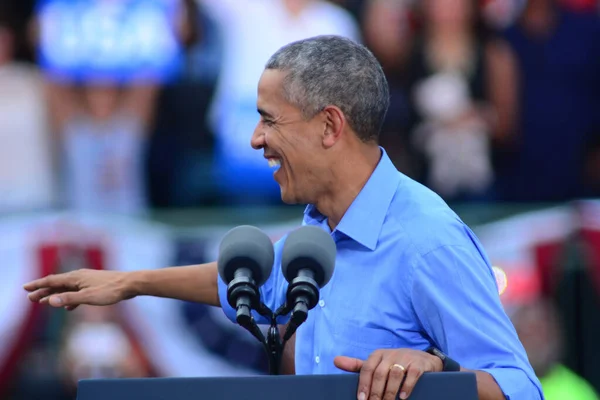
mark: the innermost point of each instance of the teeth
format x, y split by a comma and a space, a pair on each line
274, 163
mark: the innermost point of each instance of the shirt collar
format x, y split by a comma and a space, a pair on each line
364, 219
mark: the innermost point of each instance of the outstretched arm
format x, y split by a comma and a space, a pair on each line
197, 283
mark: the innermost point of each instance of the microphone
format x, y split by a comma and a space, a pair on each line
245, 262
307, 263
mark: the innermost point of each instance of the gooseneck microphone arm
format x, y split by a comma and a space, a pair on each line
272, 343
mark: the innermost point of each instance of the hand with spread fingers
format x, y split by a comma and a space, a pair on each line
71, 289
387, 372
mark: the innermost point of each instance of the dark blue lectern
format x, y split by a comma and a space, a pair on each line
431, 386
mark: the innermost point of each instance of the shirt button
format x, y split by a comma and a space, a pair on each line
322, 303
317, 359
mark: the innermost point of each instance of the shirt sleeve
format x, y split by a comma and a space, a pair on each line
456, 301
272, 293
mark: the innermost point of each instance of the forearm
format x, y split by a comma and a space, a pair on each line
503, 383
196, 283
487, 388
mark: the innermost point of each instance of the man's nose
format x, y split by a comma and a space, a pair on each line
258, 139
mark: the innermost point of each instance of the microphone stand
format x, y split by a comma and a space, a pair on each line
299, 300
273, 343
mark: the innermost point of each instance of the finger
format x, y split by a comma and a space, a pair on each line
413, 373
71, 298
40, 294
349, 364
51, 281
70, 308
380, 378
39, 283
366, 374
395, 378
34, 285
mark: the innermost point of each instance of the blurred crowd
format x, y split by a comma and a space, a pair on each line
127, 106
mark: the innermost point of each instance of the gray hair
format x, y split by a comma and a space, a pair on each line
332, 70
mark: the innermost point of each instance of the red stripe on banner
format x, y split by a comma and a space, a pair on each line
95, 257
547, 256
592, 238
46, 265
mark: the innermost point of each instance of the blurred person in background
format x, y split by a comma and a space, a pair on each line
462, 87
182, 142
252, 30
103, 130
537, 324
558, 54
388, 32
27, 174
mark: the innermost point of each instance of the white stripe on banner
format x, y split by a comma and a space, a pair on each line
589, 214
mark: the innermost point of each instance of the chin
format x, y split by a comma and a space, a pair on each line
287, 199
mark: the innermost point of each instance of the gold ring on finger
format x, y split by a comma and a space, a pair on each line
398, 366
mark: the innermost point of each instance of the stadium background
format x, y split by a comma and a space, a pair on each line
124, 154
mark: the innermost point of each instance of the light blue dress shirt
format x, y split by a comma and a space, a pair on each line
409, 274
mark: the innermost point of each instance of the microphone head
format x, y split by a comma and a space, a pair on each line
246, 247
309, 247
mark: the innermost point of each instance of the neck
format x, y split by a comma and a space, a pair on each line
347, 178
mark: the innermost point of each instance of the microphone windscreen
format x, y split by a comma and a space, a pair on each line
312, 248
246, 247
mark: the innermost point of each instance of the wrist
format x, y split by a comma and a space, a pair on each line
439, 364
135, 283
447, 364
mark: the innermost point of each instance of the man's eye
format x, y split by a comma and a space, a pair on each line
268, 122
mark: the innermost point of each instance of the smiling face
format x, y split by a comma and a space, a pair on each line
297, 145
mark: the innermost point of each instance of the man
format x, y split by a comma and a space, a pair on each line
409, 274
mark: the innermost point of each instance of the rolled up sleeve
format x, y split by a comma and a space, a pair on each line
515, 383
455, 299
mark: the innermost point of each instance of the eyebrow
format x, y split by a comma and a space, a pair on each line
264, 113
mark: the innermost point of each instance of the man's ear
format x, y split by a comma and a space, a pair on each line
334, 125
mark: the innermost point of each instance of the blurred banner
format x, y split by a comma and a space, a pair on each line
529, 252
117, 41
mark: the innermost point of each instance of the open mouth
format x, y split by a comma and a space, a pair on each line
274, 163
